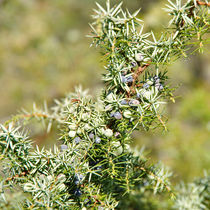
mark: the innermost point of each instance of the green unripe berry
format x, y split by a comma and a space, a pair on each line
72, 134
108, 132
72, 127
139, 57
127, 114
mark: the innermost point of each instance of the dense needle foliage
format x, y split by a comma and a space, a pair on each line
94, 165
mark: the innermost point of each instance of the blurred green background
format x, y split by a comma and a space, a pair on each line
44, 53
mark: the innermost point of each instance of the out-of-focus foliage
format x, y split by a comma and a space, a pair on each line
194, 195
42, 42
186, 146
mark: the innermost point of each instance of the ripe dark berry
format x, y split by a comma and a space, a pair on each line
77, 182
77, 192
117, 115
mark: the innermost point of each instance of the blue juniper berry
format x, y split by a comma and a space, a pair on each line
117, 115
123, 102
133, 102
112, 114
77, 192
97, 140
77, 140
145, 183
138, 95
77, 182
108, 107
133, 64
63, 147
123, 78
129, 79
79, 178
117, 134
87, 202
91, 136
146, 86
159, 86
157, 79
